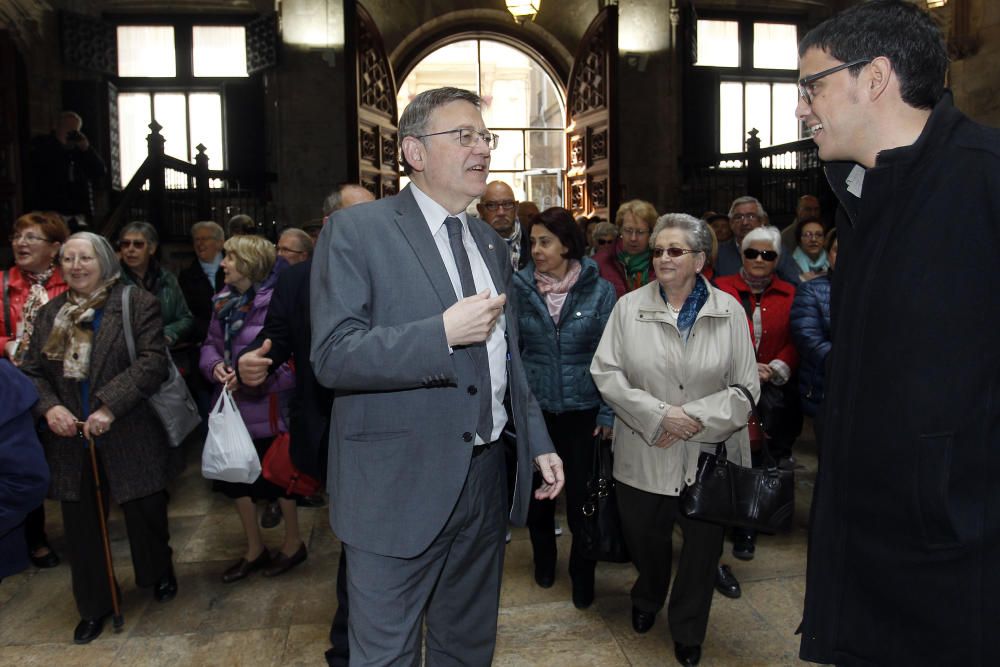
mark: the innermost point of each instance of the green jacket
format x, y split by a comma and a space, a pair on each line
178, 323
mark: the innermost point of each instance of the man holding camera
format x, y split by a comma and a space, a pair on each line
62, 171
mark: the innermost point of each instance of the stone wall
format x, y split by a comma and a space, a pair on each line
975, 79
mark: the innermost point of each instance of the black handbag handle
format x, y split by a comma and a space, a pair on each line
769, 462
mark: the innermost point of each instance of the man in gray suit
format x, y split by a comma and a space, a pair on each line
412, 331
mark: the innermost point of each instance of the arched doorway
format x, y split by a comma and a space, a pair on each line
522, 102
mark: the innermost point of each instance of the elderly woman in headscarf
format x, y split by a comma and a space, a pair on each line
665, 364
89, 385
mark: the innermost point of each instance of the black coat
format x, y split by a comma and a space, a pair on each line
290, 331
62, 179
198, 292
905, 532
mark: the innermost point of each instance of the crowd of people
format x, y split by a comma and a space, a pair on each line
425, 362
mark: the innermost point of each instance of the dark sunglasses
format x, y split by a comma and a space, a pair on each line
125, 243
605, 241
766, 255
672, 252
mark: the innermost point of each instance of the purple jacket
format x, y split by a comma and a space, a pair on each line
253, 402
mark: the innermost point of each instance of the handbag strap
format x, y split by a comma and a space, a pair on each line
272, 412
127, 321
769, 461
6, 303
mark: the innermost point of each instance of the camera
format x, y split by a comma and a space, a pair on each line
74, 136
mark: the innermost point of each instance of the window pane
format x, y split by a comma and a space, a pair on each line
206, 127
146, 51
169, 111
516, 91
544, 189
786, 125
510, 151
133, 127
451, 65
758, 111
731, 135
546, 149
219, 50
775, 46
718, 43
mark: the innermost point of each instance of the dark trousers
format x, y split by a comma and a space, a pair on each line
572, 435
34, 528
449, 594
148, 536
339, 654
648, 524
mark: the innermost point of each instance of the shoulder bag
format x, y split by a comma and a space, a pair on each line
601, 534
755, 498
172, 402
277, 466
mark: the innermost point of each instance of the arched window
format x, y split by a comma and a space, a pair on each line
521, 103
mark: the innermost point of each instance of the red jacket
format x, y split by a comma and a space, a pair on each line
613, 271
775, 307
13, 298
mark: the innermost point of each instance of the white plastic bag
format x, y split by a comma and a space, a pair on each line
229, 454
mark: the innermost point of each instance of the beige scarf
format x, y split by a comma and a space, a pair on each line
72, 332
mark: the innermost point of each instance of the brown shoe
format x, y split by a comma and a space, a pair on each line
241, 568
283, 563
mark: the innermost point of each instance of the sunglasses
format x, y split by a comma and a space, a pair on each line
125, 243
672, 252
605, 241
766, 255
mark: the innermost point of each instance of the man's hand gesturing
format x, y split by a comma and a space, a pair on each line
471, 319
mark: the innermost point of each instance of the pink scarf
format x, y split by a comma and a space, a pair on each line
554, 290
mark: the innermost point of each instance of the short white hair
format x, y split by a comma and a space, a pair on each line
767, 234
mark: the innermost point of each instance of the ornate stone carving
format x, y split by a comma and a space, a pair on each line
599, 146
578, 195
576, 154
369, 145
389, 150
598, 188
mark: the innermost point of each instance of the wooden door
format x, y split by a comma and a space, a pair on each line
12, 98
373, 88
591, 145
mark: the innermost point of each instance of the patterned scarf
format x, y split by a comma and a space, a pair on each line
692, 304
38, 296
554, 290
231, 308
638, 271
72, 332
514, 243
756, 285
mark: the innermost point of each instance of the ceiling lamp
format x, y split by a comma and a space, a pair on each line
523, 10
934, 4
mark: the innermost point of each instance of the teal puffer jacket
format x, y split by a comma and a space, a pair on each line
557, 357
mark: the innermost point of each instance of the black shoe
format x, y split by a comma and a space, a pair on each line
311, 501
51, 559
642, 621
743, 544
687, 655
88, 630
166, 588
242, 568
726, 583
583, 593
281, 563
271, 516
545, 575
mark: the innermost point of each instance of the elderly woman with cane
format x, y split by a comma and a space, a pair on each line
88, 384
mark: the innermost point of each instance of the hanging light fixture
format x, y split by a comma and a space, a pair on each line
523, 10
934, 4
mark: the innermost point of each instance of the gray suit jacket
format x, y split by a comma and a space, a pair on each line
404, 408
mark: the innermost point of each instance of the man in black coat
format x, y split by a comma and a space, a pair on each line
904, 541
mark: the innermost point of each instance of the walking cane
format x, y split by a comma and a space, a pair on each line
117, 619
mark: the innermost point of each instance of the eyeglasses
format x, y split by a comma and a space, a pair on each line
494, 205
766, 255
672, 252
289, 251
634, 232
605, 241
30, 239
806, 82
138, 244
740, 217
468, 137
812, 235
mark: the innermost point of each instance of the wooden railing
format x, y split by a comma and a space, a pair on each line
173, 194
776, 175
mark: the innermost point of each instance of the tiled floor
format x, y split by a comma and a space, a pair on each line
284, 621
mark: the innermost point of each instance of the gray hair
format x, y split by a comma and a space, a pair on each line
241, 223
417, 114
766, 234
605, 229
147, 231
699, 237
747, 200
105, 254
213, 227
305, 241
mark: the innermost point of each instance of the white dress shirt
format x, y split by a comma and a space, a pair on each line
496, 345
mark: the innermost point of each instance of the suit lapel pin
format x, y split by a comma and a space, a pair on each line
490, 246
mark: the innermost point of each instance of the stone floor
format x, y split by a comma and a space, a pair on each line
284, 621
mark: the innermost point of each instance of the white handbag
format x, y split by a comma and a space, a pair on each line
229, 454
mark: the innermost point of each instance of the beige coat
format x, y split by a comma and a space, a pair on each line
643, 366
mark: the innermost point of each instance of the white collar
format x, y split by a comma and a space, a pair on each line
434, 213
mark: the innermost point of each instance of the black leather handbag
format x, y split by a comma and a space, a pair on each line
601, 534
761, 498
